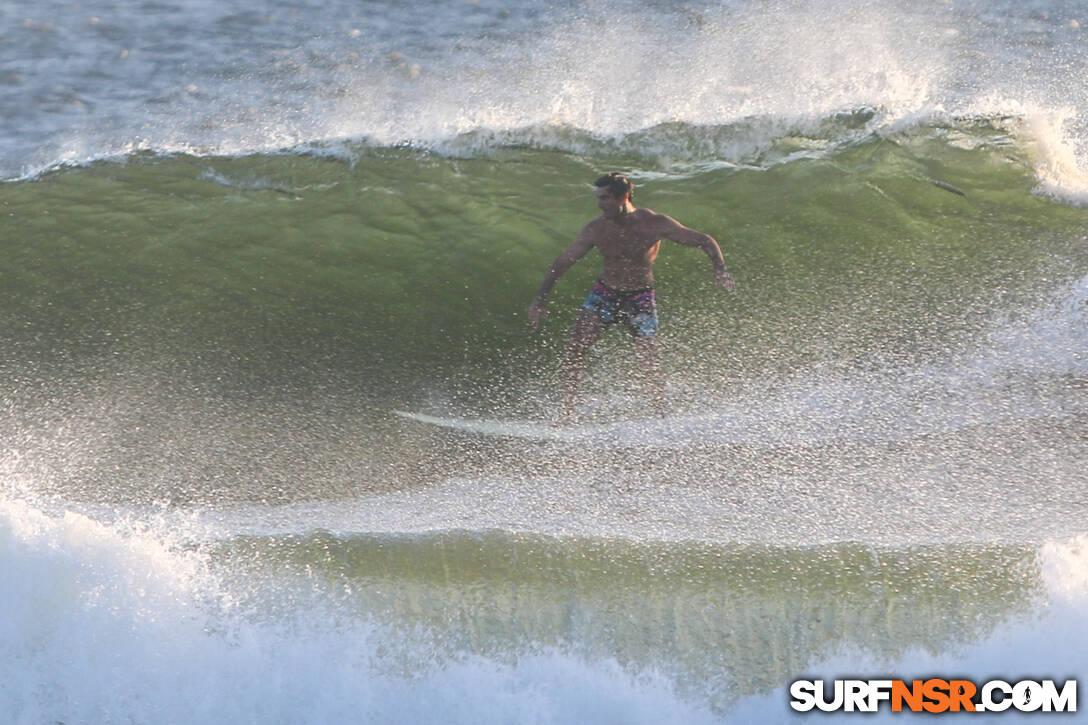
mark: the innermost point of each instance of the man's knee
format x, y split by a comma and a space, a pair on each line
647, 348
587, 328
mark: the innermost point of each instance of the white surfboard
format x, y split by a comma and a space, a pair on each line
502, 428
656, 432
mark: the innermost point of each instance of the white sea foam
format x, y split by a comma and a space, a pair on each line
455, 77
103, 624
1050, 642
1052, 340
113, 623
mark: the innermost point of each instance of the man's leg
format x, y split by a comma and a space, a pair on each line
587, 328
647, 351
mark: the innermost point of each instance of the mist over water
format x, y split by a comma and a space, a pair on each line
242, 239
227, 79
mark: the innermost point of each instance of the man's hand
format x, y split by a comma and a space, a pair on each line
723, 278
537, 312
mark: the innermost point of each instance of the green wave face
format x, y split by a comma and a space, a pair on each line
220, 299
399, 256
726, 622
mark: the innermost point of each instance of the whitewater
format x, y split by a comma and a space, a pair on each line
254, 250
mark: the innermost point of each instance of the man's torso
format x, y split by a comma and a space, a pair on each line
629, 248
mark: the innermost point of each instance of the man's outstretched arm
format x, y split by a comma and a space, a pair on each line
538, 310
677, 232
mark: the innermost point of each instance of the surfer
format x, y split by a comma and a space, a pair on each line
629, 240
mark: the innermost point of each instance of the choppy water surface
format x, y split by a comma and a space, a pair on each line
240, 237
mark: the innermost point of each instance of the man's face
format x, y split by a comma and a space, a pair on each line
610, 205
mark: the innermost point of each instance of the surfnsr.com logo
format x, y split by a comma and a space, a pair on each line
934, 695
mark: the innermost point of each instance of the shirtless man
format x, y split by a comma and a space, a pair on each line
629, 240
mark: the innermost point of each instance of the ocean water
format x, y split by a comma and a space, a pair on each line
239, 237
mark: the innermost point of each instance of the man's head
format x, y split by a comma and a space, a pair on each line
616, 184
614, 191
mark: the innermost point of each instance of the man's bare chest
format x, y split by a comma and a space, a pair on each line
631, 243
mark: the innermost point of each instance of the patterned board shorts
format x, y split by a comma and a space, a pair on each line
637, 309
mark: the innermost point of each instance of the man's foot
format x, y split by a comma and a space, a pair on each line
563, 418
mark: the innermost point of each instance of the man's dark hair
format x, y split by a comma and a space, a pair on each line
617, 185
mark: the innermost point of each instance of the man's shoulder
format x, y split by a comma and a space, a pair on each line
650, 219
641, 214
594, 226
